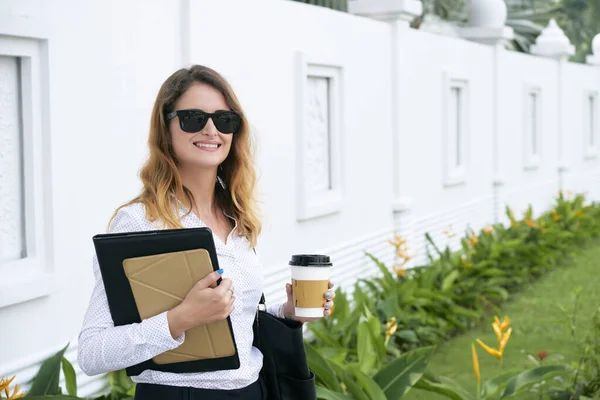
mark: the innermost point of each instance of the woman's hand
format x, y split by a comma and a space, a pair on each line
289, 309
205, 303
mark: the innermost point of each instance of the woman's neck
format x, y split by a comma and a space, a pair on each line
201, 182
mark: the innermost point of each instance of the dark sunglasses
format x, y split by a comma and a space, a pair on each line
193, 121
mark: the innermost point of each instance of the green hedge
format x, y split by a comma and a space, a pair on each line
404, 311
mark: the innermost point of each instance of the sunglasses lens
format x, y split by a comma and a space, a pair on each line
227, 122
193, 123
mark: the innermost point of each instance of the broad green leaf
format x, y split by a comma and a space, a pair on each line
372, 287
491, 386
389, 305
528, 377
131, 391
368, 384
366, 351
435, 385
47, 378
327, 394
389, 280
342, 307
400, 375
320, 368
377, 337
70, 377
408, 335
337, 354
355, 390
361, 299
321, 334
449, 280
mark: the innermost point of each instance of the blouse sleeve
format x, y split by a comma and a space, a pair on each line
104, 347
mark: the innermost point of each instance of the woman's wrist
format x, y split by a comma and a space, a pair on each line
177, 324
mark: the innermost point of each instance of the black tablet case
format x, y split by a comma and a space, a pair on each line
113, 248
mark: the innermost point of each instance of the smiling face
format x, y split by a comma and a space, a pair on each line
208, 148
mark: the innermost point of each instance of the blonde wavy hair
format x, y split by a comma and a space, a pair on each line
160, 174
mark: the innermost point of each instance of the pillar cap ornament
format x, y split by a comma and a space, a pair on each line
487, 22
553, 43
387, 10
594, 58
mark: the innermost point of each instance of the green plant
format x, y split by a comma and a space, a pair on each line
583, 381
503, 385
430, 303
45, 384
368, 369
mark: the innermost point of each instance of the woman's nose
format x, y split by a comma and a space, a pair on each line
210, 129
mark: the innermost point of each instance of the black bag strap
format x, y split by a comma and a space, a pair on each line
262, 296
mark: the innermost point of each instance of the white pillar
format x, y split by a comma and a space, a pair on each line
594, 59
398, 11
553, 43
399, 14
487, 20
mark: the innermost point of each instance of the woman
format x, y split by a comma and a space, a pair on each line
199, 174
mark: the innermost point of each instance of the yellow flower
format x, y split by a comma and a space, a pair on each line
569, 193
504, 340
579, 214
391, 326
530, 222
15, 394
473, 240
488, 230
399, 270
502, 325
490, 351
475, 363
448, 232
464, 261
4, 386
505, 323
555, 215
499, 330
398, 242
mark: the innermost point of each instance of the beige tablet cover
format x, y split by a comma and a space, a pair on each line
161, 282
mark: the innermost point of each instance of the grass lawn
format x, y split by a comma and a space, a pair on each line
538, 324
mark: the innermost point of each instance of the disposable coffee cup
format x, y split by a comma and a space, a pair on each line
310, 282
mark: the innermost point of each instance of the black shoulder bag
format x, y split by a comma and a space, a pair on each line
285, 370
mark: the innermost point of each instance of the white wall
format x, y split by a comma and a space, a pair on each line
104, 68
582, 169
522, 185
426, 63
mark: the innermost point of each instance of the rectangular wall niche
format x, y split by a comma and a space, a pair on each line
319, 119
456, 129
24, 170
13, 245
590, 124
532, 127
